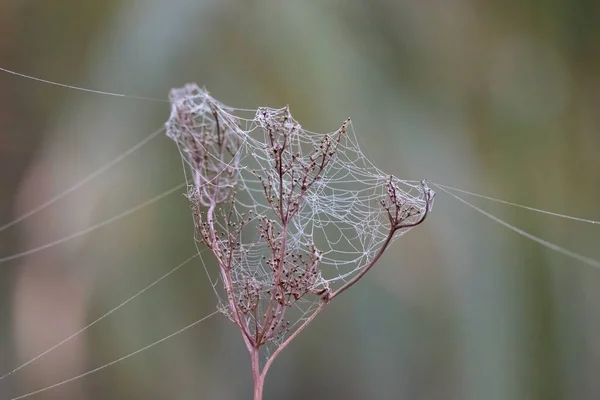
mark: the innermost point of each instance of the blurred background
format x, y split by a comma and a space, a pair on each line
496, 97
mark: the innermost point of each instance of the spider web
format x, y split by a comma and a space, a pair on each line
341, 222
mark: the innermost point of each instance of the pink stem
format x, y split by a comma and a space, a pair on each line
257, 377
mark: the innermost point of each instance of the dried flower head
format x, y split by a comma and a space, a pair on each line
293, 218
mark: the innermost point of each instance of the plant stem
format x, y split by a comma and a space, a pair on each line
257, 377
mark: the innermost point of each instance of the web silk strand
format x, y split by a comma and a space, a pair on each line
509, 203
82, 89
94, 227
568, 253
85, 180
118, 360
97, 320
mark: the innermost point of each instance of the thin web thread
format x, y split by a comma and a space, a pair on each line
509, 203
118, 360
94, 227
85, 180
82, 89
97, 320
586, 260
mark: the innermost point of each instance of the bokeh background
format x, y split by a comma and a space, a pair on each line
497, 97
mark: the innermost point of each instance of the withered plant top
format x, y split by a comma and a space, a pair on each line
293, 218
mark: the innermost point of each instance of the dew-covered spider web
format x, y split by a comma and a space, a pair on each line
334, 198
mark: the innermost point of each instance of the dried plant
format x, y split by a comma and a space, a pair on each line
293, 218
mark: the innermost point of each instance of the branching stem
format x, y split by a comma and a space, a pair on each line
303, 182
